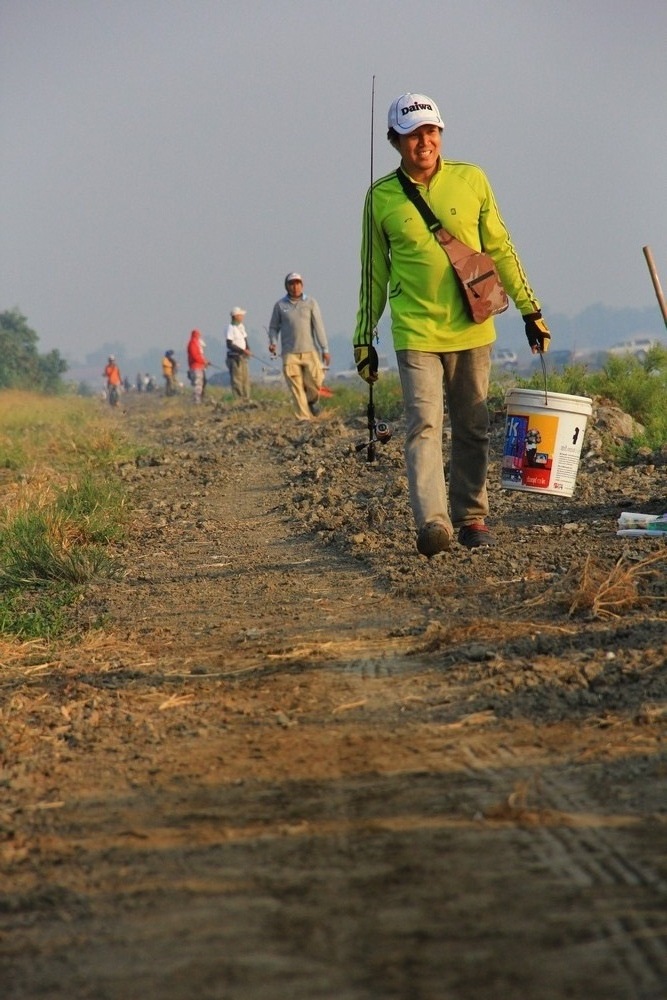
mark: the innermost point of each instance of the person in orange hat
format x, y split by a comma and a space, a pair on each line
197, 365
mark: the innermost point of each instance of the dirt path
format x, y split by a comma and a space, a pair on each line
301, 762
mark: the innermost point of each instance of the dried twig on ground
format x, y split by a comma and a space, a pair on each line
605, 593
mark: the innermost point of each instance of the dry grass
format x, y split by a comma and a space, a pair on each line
35, 491
594, 590
64, 433
603, 593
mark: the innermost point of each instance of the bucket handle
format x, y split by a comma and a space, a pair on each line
544, 372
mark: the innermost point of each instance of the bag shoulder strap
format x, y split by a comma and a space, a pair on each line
455, 249
413, 193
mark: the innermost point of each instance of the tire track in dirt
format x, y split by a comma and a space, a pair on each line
582, 848
588, 857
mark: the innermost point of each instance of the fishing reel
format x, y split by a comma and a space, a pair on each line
382, 432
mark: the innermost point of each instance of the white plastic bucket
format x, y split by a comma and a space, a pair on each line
544, 434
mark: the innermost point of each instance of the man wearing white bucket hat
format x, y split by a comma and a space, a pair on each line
238, 353
435, 338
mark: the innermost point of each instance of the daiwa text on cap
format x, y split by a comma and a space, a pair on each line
409, 111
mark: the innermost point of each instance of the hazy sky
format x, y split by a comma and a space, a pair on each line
164, 160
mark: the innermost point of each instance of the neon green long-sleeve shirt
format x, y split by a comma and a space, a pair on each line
411, 270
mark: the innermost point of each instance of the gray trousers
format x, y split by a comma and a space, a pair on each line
463, 378
239, 375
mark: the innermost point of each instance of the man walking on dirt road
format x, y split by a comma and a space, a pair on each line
434, 336
297, 320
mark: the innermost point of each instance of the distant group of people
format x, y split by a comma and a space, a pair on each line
115, 383
145, 383
296, 321
296, 324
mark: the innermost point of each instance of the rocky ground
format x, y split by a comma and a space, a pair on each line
295, 759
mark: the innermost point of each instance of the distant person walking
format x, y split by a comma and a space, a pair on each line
169, 369
297, 321
114, 381
238, 353
197, 365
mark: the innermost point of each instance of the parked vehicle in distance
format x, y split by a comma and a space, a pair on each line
639, 347
504, 358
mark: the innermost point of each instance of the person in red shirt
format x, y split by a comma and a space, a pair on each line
197, 365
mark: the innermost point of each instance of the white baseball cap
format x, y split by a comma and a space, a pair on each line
237, 311
293, 276
409, 111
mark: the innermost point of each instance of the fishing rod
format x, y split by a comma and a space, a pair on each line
256, 357
370, 409
264, 361
378, 430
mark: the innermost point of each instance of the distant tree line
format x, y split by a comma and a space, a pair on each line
21, 366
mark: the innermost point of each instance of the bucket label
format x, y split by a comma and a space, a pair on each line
528, 453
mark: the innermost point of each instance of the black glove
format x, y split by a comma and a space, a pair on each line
366, 360
537, 333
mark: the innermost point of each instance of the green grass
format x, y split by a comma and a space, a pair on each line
63, 512
44, 546
637, 387
351, 398
25, 616
96, 505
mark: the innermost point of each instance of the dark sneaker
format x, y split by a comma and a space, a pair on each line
475, 536
315, 409
432, 538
